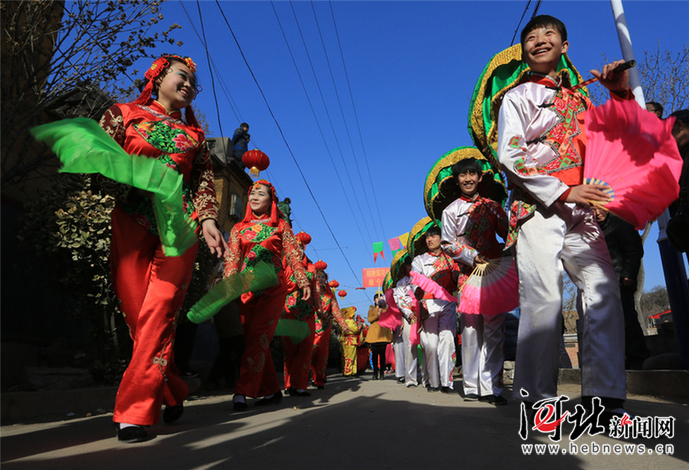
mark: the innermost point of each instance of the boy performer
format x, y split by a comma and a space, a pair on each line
406, 359
541, 143
468, 236
437, 336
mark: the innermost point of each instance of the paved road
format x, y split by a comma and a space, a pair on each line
353, 424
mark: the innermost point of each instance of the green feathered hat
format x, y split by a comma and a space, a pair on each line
399, 259
417, 240
387, 282
441, 188
504, 71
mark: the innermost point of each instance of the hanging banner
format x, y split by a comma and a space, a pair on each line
377, 250
404, 239
395, 245
373, 277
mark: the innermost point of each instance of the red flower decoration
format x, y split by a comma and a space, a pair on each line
182, 142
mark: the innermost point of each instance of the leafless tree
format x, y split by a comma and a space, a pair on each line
664, 76
54, 51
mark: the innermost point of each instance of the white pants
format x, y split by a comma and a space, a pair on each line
438, 344
483, 357
398, 348
406, 359
567, 237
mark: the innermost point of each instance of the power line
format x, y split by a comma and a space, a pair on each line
520, 23
356, 116
318, 124
313, 70
208, 57
538, 5
339, 102
223, 86
286, 143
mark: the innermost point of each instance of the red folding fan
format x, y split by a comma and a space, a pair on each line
491, 289
634, 153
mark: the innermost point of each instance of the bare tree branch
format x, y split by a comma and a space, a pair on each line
51, 49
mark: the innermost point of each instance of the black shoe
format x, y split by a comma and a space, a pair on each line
239, 406
471, 397
190, 374
173, 413
321, 387
131, 434
434, 389
486, 398
274, 400
294, 393
445, 390
497, 400
400, 380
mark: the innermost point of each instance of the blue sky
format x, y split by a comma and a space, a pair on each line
411, 68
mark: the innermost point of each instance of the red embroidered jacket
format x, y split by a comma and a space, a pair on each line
149, 131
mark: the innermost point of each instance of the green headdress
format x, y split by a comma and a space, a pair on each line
504, 72
441, 188
400, 258
417, 240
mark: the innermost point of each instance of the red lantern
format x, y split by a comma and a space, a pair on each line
334, 284
256, 161
342, 294
320, 265
304, 238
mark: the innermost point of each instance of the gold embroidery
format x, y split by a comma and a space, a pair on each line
161, 361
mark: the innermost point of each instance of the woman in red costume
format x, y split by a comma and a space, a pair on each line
297, 307
330, 310
150, 285
262, 236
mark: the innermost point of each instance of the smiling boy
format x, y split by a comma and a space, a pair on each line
541, 147
468, 236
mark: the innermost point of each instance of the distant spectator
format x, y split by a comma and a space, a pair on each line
680, 131
656, 108
378, 336
626, 251
240, 140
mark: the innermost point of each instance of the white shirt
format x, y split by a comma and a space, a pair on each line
522, 120
404, 297
454, 224
425, 264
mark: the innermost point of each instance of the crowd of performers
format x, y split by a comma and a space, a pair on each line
151, 285
550, 227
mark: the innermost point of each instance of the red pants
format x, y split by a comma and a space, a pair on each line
319, 358
151, 288
362, 359
260, 315
298, 358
